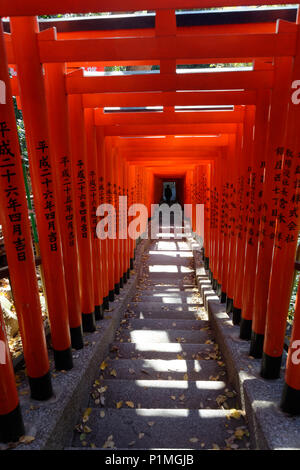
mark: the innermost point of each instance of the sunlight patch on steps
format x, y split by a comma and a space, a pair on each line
174, 254
182, 384
171, 413
160, 347
162, 245
169, 268
138, 336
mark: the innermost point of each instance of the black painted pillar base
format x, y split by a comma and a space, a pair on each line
111, 295
117, 288
214, 284
223, 297
206, 263
131, 263
128, 273
229, 305
290, 401
106, 303
40, 387
76, 337
88, 322
125, 277
121, 283
63, 359
257, 345
270, 368
210, 275
99, 311
11, 426
245, 329
219, 290
236, 315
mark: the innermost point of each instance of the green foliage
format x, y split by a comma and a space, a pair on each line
233, 65
295, 287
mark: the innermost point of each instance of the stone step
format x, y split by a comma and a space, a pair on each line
145, 300
167, 289
170, 254
161, 394
169, 299
165, 365
163, 282
169, 295
113, 459
181, 263
172, 240
158, 429
151, 369
165, 324
161, 350
171, 276
167, 336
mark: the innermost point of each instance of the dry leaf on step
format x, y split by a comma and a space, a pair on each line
26, 439
130, 404
103, 365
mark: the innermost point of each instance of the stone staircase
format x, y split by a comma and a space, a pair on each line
163, 385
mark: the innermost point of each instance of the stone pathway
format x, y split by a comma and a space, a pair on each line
163, 385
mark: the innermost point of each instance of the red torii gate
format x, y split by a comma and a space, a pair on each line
247, 177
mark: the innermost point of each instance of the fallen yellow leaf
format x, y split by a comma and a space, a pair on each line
236, 414
26, 439
86, 415
103, 365
130, 404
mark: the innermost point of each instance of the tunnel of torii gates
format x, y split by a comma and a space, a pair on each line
240, 156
